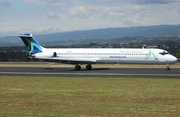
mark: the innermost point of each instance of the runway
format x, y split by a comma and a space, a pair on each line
99, 72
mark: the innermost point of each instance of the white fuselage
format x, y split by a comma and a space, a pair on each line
109, 55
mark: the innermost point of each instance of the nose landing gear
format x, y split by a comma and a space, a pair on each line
168, 68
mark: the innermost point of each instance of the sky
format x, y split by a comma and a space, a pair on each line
51, 16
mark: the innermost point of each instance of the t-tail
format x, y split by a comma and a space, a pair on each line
32, 45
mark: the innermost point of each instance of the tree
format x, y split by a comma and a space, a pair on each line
178, 53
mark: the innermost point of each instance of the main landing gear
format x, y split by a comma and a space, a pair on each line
88, 67
78, 67
168, 68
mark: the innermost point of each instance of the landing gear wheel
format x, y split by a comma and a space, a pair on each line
77, 67
88, 67
168, 68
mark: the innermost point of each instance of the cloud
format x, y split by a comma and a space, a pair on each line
122, 12
5, 3
91, 14
66, 3
155, 1
49, 2
51, 15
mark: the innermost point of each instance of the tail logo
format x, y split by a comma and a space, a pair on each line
31, 44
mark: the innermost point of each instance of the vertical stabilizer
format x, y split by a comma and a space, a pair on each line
32, 45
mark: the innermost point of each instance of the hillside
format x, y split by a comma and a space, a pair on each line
100, 34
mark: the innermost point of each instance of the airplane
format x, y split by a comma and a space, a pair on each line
89, 56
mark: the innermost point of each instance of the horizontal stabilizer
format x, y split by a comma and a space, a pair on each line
26, 35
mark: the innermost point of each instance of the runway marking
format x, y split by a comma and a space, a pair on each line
87, 74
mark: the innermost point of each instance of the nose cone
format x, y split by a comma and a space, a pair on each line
173, 59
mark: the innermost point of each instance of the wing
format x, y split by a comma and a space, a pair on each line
73, 60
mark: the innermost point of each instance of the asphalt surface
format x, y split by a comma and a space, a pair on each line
99, 72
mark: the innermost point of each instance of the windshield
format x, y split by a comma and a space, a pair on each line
164, 53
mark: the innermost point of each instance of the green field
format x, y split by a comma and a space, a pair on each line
89, 97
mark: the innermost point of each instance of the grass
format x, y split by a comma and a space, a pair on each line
88, 97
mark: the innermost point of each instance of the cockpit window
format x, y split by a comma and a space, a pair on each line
164, 53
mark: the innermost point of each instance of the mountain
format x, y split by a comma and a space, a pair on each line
100, 34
